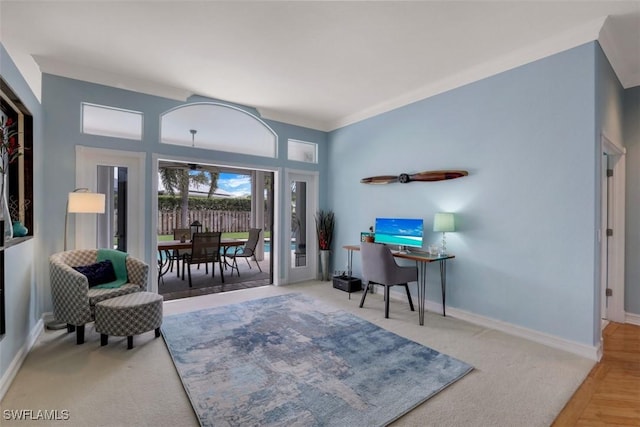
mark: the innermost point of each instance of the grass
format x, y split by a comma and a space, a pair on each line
236, 235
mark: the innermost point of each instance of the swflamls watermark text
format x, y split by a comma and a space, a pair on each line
35, 414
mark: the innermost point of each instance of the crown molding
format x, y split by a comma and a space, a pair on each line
27, 68
93, 75
619, 61
599, 29
559, 43
278, 116
634, 80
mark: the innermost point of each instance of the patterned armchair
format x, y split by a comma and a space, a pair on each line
73, 301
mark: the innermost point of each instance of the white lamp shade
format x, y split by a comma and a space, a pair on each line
86, 202
444, 221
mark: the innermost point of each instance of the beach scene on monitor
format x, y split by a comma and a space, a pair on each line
399, 231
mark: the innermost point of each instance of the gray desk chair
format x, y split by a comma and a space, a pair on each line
378, 266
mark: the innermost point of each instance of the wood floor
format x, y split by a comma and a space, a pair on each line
610, 395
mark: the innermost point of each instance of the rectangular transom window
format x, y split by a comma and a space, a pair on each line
110, 121
302, 151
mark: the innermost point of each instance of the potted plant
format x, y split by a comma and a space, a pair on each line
325, 223
370, 237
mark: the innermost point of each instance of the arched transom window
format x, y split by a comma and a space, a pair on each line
213, 126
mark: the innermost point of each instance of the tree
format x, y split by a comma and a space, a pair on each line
179, 179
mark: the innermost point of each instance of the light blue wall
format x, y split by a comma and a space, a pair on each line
23, 285
61, 99
609, 100
527, 213
525, 245
632, 143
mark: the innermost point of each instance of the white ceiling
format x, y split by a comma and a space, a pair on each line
318, 64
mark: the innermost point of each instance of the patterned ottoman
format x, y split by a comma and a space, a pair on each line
129, 315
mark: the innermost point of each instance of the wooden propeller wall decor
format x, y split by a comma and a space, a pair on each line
404, 178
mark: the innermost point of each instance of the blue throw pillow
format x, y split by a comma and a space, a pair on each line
98, 273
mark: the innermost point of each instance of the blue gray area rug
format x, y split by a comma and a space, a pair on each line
291, 360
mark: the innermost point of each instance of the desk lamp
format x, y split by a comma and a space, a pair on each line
444, 222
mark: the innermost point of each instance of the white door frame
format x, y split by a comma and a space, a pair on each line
310, 271
87, 161
616, 244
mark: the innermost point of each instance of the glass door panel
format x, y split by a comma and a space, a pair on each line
298, 224
112, 226
301, 236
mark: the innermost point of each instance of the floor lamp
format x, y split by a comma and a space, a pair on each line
81, 200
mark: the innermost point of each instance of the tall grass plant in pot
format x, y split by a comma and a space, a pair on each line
325, 224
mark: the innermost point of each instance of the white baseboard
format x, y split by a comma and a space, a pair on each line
633, 319
16, 363
593, 353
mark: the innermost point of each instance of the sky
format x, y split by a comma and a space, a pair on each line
229, 185
234, 184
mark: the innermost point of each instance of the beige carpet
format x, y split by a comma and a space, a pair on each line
516, 382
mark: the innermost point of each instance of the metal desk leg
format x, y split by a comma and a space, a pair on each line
422, 290
443, 283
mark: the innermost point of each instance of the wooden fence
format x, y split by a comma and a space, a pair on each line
225, 221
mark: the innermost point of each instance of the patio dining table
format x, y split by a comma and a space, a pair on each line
165, 248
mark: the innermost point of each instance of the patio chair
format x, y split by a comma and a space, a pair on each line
205, 249
247, 251
73, 300
176, 255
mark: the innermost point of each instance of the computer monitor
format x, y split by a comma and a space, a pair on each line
399, 231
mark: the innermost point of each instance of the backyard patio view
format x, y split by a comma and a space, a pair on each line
172, 285
199, 198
